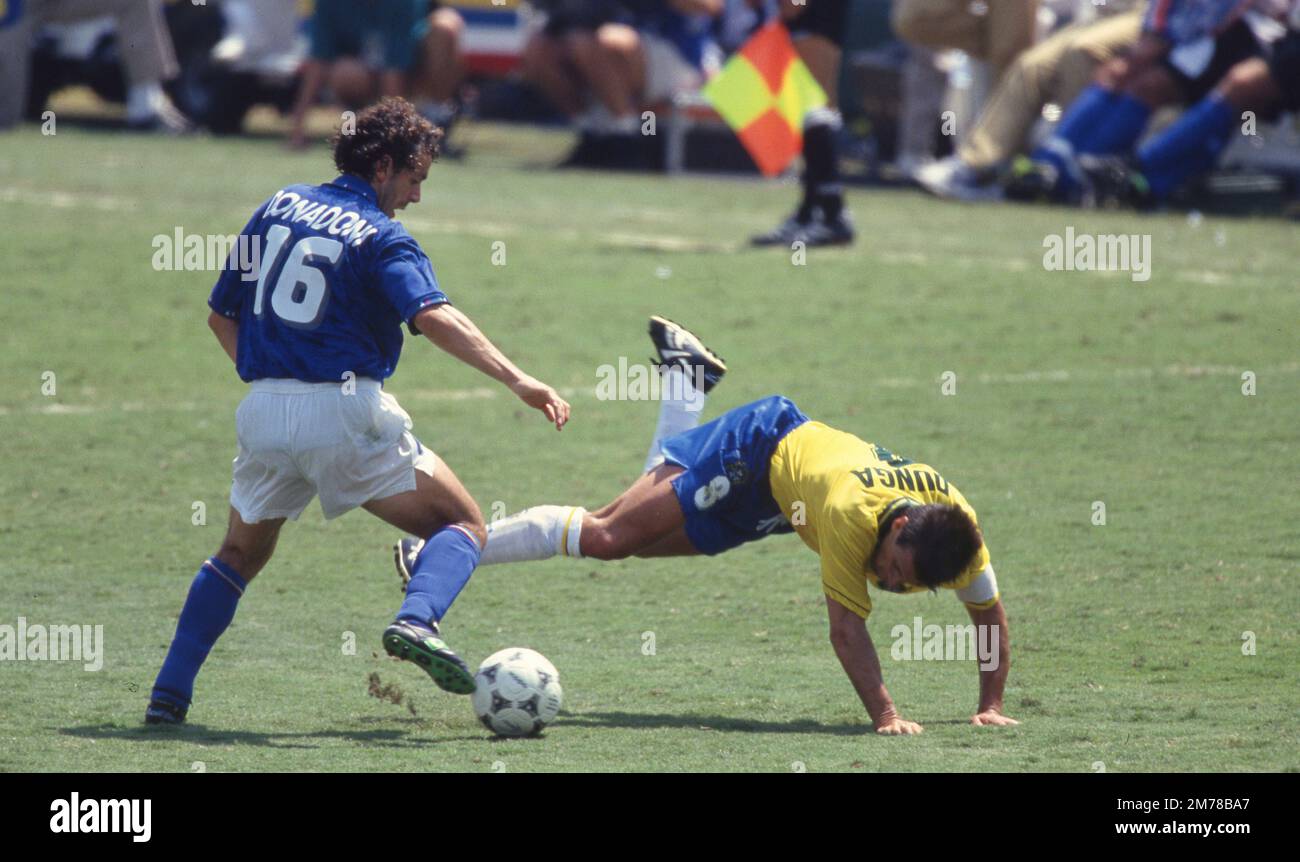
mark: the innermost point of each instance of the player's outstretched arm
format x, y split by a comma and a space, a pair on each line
448, 328
227, 332
858, 657
993, 677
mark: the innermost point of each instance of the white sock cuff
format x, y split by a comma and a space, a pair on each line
571, 541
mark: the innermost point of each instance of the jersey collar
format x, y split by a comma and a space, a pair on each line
886, 520
357, 186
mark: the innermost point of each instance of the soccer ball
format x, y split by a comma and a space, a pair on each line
517, 692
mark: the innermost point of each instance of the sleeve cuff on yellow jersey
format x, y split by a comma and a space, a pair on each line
847, 602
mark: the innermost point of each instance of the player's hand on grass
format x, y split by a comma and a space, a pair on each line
992, 718
539, 396
893, 725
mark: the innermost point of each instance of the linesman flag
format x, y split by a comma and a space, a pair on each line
763, 92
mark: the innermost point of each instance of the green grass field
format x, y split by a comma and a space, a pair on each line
1071, 388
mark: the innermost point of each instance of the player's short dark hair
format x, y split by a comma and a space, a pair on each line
943, 539
391, 128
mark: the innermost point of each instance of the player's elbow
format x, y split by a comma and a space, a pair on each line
435, 322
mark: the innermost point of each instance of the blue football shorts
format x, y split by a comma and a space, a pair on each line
724, 492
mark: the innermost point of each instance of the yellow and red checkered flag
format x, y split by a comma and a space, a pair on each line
763, 92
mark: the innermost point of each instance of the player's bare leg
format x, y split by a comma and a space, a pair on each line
640, 518
247, 548
675, 544
437, 501
646, 519
442, 511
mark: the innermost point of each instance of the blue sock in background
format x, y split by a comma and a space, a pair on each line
1088, 111
1123, 125
1085, 114
1191, 146
209, 608
441, 571
1098, 122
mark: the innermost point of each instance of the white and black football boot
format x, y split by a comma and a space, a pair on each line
678, 346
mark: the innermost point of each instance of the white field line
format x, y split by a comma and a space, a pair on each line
59, 199
66, 199
485, 393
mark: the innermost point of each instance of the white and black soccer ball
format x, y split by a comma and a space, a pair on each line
517, 692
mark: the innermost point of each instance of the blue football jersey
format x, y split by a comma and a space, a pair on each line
332, 279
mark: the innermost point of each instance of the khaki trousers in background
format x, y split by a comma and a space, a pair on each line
143, 41
997, 36
1056, 70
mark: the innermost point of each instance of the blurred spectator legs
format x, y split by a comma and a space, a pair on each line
545, 64
143, 42
601, 79
995, 31
1193, 143
435, 83
1054, 71
923, 87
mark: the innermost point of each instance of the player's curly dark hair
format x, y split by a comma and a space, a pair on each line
391, 128
943, 540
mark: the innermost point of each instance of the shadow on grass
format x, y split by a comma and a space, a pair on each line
726, 724
200, 734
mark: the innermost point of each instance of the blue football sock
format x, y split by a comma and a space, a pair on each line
1088, 111
1098, 122
1120, 130
208, 610
441, 571
1189, 147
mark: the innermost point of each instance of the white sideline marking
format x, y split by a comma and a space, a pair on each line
484, 393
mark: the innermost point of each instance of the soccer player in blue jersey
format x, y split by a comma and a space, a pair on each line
315, 329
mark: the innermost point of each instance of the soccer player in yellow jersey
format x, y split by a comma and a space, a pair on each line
872, 517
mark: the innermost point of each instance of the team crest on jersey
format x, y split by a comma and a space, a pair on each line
737, 472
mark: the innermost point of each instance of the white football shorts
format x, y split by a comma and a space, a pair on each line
297, 440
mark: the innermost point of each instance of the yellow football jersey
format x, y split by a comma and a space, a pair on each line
836, 489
